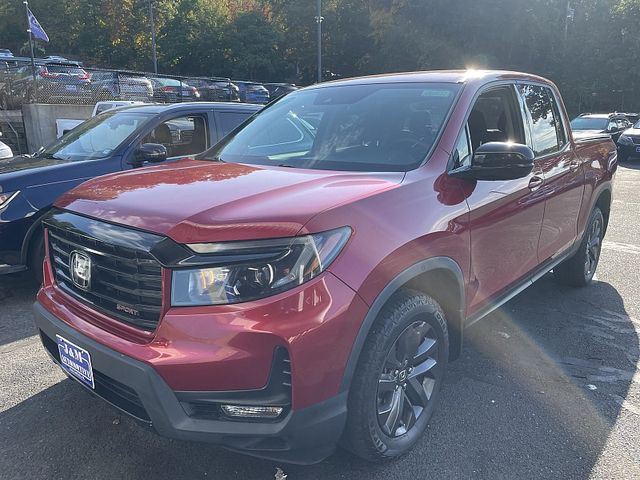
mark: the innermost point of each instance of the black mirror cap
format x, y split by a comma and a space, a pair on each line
498, 161
150, 152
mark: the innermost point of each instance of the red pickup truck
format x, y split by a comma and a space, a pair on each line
306, 281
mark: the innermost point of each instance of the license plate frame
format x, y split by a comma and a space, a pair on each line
76, 361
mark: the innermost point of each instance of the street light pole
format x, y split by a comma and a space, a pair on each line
153, 37
319, 21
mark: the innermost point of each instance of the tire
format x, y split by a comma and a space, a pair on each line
575, 271
36, 256
410, 319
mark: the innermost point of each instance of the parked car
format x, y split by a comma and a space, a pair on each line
612, 124
116, 140
5, 151
629, 144
215, 90
277, 90
169, 90
252, 92
121, 86
632, 117
5, 52
54, 82
279, 294
102, 107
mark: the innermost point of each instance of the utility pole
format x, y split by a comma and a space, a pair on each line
33, 63
153, 37
569, 14
319, 22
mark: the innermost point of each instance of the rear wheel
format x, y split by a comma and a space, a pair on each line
578, 271
398, 377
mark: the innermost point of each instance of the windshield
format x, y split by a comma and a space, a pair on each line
587, 123
378, 127
95, 138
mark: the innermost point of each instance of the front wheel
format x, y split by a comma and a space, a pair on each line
398, 378
578, 271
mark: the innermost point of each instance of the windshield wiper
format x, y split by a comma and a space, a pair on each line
53, 157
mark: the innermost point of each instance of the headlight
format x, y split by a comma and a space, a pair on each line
243, 271
625, 140
6, 197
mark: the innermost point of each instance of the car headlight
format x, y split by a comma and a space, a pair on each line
625, 140
249, 270
6, 197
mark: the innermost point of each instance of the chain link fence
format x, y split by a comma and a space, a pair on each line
65, 82
56, 80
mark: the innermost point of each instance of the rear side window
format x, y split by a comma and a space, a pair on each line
547, 133
227, 121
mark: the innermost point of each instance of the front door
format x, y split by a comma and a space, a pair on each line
505, 216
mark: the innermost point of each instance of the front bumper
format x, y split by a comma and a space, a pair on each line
138, 390
628, 152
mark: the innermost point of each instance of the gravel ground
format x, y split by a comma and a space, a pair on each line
547, 387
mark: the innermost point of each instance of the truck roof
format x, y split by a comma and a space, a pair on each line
155, 108
438, 76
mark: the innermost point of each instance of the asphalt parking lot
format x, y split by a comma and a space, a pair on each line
547, 387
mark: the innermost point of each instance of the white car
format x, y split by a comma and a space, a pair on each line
111, 104
5, 151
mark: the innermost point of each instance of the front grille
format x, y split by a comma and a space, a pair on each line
114, 392
636, 139
126, 282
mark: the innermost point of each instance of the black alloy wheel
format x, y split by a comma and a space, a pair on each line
408, 379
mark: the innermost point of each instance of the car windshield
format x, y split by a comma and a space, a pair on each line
96, 138
589, 123
377, 127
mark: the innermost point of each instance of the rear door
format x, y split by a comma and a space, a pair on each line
561, 168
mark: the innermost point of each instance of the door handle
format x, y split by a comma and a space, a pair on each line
535, 182
574, 165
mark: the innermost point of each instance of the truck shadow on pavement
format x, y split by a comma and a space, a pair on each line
535, 394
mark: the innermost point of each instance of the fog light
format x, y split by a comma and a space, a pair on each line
238, 411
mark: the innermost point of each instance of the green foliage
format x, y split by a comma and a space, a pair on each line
275, 40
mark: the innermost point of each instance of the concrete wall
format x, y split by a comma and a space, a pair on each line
40, 121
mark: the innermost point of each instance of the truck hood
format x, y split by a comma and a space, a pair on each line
205, 201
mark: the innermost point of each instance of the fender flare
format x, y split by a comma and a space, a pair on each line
26, 243
414, 271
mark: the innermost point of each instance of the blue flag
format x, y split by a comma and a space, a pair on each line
35, 27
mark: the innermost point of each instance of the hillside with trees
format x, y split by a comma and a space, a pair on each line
591, 53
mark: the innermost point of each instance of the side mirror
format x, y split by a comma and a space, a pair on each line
149, 152
498, 161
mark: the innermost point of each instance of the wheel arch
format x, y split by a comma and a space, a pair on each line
31, 235
439, 277
603, 202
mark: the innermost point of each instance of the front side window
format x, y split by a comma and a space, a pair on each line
377, 127
96, 138
544, 126
181, 136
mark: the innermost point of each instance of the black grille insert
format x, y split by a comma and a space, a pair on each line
126, 281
